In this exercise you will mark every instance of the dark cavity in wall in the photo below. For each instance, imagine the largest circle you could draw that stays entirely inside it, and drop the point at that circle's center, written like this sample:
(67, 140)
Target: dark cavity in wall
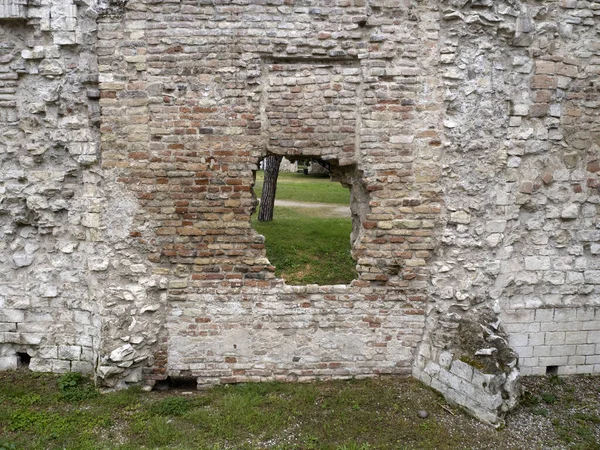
(23, 359)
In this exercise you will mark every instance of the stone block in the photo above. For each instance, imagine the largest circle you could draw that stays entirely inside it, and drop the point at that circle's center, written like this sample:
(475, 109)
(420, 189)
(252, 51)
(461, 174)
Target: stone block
(7, 327)
(590, 325)
(69, 352)
(431, 369)
(585, 349)
(537, 263)
(592, 276)
(544, 67)
(567, 370)
(561, 326)
(495, 226)
(585, 369)
(544, 315)
(84, 367)
(528, 362)
(518, 339)
(445, 359)
(11, 315)
(565, 314)
(541, 350)
(522, 316)
(36, 52)
(40, 365)
(592, 359)
(593, 337)
(47, 352)
(461, 217)
(30, 338)
(576, 337)
(462, 369)
(526, 371)
(13, 9)
(536, 339)
(523, 352)
(562, 350)
(555, 338)
(552, 361)
(488, 401)
(439, 385)
(61, 366)
(576, 360)
(8, 362)
(450, 380)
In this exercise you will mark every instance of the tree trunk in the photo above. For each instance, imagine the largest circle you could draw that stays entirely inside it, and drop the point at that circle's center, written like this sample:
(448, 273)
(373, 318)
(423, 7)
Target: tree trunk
(267, 198)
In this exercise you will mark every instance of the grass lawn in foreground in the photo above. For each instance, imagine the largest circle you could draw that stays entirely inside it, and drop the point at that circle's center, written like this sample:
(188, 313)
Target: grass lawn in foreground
(306, 188)
(42, 411)
(307, 248)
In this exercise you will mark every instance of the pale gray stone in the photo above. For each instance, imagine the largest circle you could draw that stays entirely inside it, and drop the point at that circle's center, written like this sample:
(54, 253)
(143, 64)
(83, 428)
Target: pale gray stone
(124, 352)
(23, 259)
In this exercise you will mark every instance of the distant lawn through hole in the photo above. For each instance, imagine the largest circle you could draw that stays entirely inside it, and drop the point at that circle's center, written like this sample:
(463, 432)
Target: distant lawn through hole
(306, 245)
(306, 188)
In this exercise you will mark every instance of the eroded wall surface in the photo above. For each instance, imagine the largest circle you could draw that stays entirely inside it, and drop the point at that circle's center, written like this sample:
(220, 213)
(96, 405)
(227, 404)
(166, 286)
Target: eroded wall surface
(517, 249)
(50, 241)
(64, 230)
(468, 132)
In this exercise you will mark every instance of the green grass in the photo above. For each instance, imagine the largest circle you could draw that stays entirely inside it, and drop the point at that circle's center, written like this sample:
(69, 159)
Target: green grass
(306, 188)
(341, 415)
(304, 244)
(306, 248)
(574, 415)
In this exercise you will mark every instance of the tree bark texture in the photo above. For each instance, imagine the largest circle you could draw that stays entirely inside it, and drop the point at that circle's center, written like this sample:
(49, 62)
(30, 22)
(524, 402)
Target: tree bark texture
(267, 198)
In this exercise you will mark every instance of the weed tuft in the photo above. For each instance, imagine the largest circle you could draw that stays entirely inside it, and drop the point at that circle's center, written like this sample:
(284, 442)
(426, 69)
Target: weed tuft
(5, 445)
(74, 387)
(540, 412)
(529, 399)
(161, 431)
(548, 398)
(28, 399)
(354, 446)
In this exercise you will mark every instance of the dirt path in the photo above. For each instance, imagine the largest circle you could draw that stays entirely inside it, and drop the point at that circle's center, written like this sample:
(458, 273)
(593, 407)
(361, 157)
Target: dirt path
(324, 209)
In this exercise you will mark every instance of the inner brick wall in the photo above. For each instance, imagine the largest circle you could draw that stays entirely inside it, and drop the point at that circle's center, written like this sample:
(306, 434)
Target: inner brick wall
(312, 109)
(193, 96)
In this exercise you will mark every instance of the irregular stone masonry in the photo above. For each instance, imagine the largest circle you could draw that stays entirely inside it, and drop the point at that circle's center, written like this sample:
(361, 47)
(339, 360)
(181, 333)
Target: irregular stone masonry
(468, 133)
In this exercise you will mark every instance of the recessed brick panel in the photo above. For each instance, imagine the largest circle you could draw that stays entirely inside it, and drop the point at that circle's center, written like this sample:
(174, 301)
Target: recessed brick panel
(311, 108)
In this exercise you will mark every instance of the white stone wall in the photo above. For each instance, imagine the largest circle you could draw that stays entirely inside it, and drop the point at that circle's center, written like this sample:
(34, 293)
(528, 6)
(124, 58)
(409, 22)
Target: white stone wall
(482, 394)
(49, 198)
(567, 337)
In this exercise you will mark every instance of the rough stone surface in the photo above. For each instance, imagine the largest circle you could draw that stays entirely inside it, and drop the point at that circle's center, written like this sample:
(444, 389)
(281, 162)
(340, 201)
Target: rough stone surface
(467, 132)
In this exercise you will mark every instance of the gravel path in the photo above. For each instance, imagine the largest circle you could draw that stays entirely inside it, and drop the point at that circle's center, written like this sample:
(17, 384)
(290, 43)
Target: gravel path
(325, 209)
